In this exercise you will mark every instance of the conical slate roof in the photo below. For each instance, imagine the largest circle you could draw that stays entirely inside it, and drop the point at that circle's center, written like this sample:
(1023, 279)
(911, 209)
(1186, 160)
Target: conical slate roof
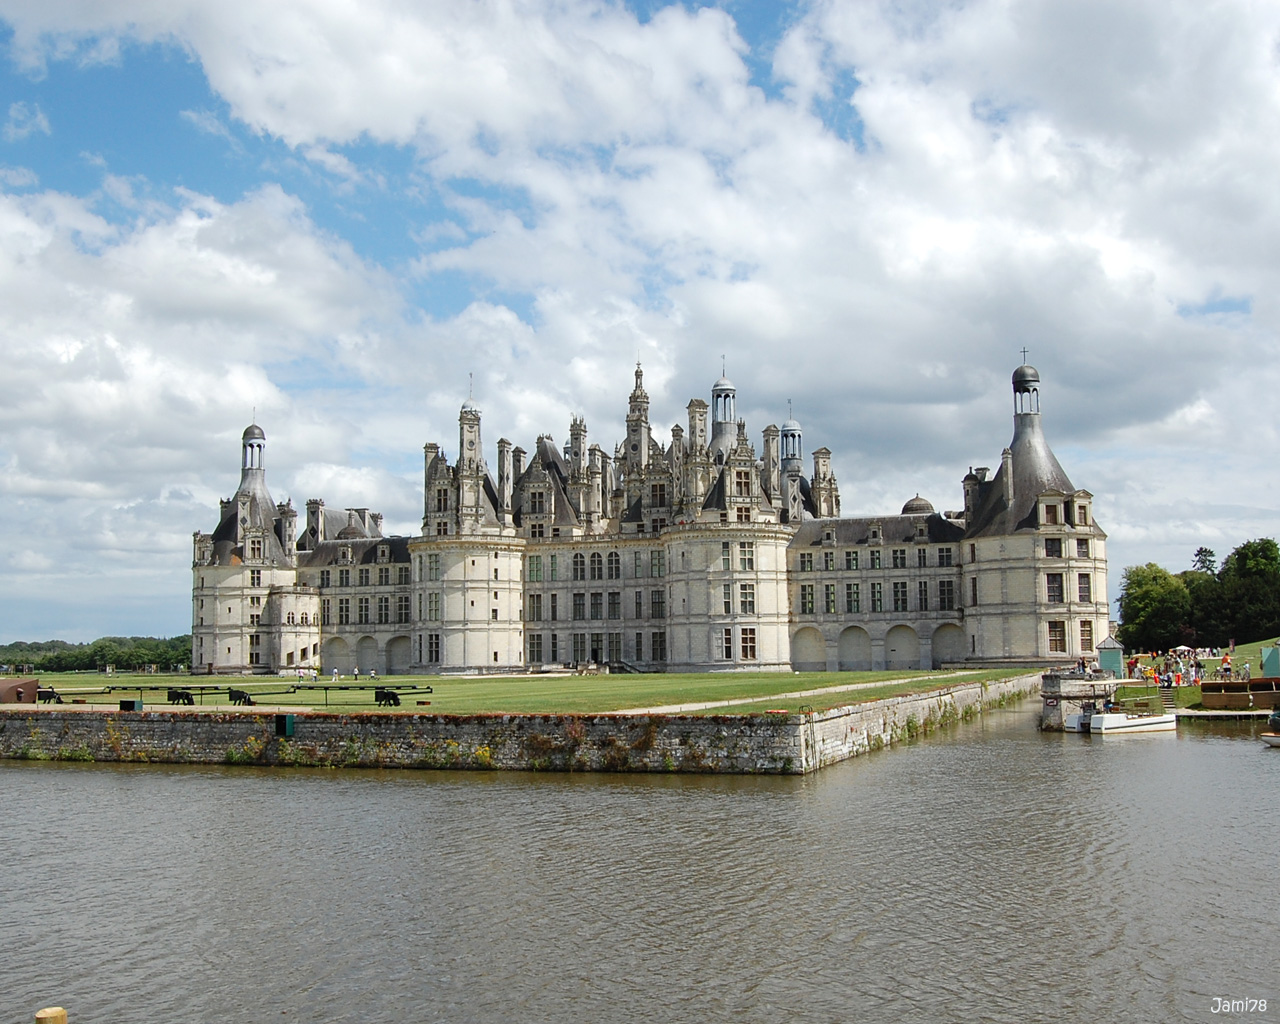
(1035, 470)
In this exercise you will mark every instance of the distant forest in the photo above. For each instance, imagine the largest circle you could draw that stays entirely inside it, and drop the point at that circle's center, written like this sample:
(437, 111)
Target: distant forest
(124, 652)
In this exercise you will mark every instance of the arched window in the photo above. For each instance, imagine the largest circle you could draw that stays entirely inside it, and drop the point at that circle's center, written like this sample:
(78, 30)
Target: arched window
(615, 566)
(597, 566)
(579, 566)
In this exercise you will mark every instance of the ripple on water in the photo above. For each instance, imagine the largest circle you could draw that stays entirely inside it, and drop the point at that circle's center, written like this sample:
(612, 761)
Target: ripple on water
(990, 872)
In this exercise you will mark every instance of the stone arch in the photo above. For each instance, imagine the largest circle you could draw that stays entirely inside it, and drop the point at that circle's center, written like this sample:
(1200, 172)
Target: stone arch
(337, 655)
(855, 650)
(808, 651)
(901, 648)
(399, 656)
(367, 654)
(948, 644)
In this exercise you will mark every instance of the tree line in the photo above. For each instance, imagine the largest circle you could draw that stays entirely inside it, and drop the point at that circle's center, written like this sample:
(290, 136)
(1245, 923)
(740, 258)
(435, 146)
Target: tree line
(124, 652)
(1207, 605)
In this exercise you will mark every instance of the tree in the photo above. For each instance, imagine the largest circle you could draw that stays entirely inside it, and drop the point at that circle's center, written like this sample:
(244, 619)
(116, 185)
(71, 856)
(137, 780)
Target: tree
(1204, 560)
(1154, 608)
(1250, 578)
(1209, 621)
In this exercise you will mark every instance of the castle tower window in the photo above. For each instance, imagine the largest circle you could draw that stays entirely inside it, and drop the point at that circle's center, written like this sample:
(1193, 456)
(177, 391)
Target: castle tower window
(255, 577)
(597, 566)
(726, 643)
(947, 595)
(1053, 547)
(725, 562)
(742, 483)
(1086, 636)
(255, 548)
(1051, 515)
(658, 495)
(614, 566)
(537, 503)
(746, 555)
(1053, 587)
(579, 566)
(1057, 638)
(747, 598)
(537, 531)
(1085, 585)
(748, 644)
(1082, 519)
(534, 570)
(442, 499)
(1082, 548)
(728, 598)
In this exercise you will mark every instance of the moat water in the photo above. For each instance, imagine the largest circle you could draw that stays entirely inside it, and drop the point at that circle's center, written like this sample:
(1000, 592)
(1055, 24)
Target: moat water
(987, 873)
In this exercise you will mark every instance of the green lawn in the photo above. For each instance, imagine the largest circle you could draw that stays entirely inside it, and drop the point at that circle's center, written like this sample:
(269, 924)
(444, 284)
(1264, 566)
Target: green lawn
(540, 694)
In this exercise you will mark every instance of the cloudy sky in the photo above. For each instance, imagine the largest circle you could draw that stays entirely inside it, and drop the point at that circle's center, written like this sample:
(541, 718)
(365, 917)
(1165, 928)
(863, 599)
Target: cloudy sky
(334, 211)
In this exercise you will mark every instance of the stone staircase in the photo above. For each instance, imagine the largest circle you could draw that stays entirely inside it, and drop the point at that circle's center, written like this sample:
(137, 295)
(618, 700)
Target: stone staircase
(1166, 698)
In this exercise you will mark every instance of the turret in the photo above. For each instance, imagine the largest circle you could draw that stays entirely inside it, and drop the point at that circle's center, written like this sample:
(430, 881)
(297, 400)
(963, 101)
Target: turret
(724, 431)
(637, 443)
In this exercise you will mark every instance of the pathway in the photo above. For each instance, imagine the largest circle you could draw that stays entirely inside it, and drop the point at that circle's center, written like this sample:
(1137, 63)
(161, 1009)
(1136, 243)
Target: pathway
(676, 709)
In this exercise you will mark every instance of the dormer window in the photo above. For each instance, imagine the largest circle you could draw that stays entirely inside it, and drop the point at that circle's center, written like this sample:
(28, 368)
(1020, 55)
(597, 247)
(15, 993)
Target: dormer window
(537, 503)
(1082, 515)
(384, 553)
(1051, 515)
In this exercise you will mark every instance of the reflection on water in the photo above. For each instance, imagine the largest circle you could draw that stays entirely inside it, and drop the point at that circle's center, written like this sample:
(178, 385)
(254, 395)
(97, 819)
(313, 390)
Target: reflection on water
(990, 873)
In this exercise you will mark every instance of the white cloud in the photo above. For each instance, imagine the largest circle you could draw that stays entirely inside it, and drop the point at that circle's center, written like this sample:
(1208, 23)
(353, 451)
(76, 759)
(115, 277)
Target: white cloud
(25, 119)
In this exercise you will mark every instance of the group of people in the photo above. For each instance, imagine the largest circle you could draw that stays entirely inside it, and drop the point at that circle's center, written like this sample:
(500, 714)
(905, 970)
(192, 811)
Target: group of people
(1184, 667)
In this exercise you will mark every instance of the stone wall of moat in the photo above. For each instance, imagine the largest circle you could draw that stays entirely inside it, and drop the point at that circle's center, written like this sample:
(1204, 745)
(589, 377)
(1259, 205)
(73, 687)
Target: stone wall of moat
(733, 744)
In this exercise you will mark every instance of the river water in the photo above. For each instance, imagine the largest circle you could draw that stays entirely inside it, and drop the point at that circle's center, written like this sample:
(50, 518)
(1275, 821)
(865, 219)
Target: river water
(989, 873)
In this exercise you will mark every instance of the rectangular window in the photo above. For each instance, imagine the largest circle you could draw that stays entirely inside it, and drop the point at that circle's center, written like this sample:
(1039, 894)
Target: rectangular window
(747, 598)
(615, 607)
(639, 647)
(639, 560)
(597, 647)
(748, 644)
(742, 483)
(1057, 638)
(806, 561)
(615, 565)
(326, 614)
(1051, 515)
(922, 557)
(658, 495)
(639, 604)
(657, 564)
(922, 595)
(537, 503)
(724, 555)
(255, 656)
(363, 578)
(384, 576)
(1082, 548)
(537, 531)
(579, 606)
(533, 569)
(324, 578)
(728, 598)
(597, 606)
(900, 596)
(402, 575)
(1085, 583)
(944, 557)
(433, 567)
(442, 528)
(1053, 587)
(947, 595)
(555, 647)
(255, 548)
(384, 610)
(615, 646)
(535, 648)
(1086, 636)
(851, 559)
(534, 603)
(744, 513)
(852, 598)
(554, 610)
(579, 646)
(806, 599)
(552, 568)
(877, 597)
(255, 577)
(973, 552)
(875, 558)
(726, 644)
(899, 558)
(828, 560)
(433, 648)
(362, 611)
(658, 604)
(433, 607)
(255, 620)
(658, 646)
(973, 591)
(829, 598)
(344, 611)
(402, 608)
(1082, 519)
(1053, 547)
(746, 554)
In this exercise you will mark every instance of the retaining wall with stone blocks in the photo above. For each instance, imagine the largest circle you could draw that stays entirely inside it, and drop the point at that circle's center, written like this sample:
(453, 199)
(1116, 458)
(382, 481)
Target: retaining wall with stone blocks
(731, 744)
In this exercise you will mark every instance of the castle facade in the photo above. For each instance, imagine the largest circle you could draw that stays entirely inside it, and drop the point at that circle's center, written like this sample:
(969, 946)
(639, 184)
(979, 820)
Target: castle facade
(702, 555)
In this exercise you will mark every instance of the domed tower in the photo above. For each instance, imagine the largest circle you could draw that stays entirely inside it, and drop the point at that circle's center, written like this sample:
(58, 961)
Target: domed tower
(792, 439)
(724, 425)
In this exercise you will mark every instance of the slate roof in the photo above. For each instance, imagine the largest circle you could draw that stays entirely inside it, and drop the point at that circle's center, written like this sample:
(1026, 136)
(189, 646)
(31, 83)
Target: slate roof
(1035, 470)
(893, 530)
(363, 551)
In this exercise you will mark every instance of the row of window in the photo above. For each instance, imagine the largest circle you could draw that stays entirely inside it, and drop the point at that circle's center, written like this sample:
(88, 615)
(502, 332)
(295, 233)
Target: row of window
(598, 647)
(851, 596)
(853, 560)
(364, 577)
(1055, 587)
(1058, 637)
(1053, 547)
(365, 609)
(598, 605)
(647, 564)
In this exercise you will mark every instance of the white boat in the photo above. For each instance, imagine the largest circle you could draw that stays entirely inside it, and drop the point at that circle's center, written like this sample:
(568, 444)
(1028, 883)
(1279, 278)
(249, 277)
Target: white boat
(1114, 722)
(1271, 739)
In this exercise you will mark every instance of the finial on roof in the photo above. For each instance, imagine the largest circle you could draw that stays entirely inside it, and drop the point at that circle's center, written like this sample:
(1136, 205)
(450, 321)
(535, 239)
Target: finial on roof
(1024, 353)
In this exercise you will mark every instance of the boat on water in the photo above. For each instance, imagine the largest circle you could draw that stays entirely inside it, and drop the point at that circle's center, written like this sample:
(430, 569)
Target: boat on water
(1113, 720)
(1272, 736)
